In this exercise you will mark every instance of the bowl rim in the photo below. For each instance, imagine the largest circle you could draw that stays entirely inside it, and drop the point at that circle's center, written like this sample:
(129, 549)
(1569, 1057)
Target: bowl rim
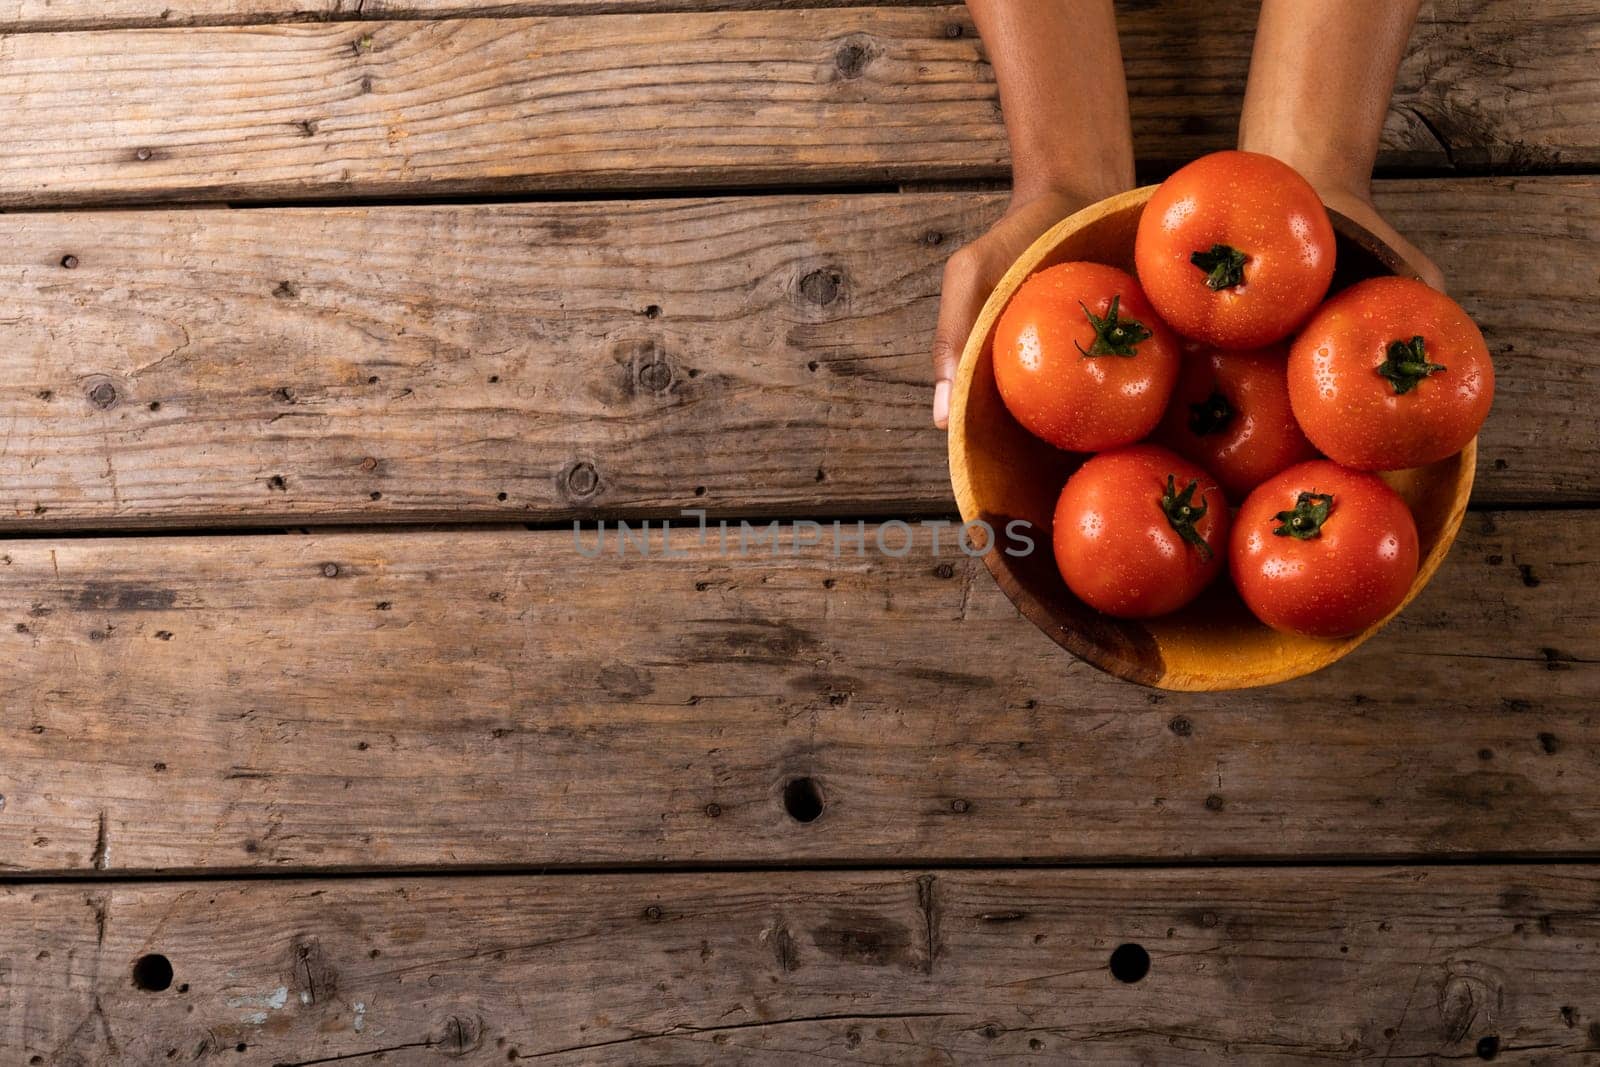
(1099, 656)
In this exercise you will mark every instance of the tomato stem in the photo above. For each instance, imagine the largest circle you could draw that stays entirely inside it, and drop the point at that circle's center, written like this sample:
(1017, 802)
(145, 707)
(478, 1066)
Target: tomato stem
(1305, 520)
(1182, 514)
(1223, 264)
(1211, 415)
(1406, 365)
(1113, 336)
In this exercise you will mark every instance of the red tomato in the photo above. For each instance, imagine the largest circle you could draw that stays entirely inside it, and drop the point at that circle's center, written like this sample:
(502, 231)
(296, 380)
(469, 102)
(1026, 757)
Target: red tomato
(1140, 532)
(1324, 551)
(1235, 250)
(1230, 414)
(1390, 374)
(1081, 359)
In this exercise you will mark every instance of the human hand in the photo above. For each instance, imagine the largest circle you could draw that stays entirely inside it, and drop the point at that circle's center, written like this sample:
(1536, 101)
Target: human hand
(1067, 124)
(1358, 208)
(1320, 80)
(972, 273)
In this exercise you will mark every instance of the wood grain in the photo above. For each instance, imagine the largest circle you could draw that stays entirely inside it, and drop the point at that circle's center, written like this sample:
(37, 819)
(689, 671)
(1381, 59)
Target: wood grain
(34, 16)
(1277, 966)
(364, 701)
(750, 355)
(756, 355)
(686, 99)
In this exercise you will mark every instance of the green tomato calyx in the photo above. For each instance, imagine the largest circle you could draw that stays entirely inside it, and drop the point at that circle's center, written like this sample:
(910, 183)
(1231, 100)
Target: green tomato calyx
(1182, 513)
(1211, 415)
(1304, 521)
(1407, 364)
(1113, 335)
(1223, 264)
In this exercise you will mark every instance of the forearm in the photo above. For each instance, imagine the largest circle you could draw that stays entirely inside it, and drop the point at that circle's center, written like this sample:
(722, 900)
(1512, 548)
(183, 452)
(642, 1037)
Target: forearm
(1320, 80)
(1059, 69)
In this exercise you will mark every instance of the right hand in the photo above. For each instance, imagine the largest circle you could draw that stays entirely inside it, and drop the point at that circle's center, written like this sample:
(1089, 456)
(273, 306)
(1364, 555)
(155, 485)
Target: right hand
(973, 272)
(1358, 207)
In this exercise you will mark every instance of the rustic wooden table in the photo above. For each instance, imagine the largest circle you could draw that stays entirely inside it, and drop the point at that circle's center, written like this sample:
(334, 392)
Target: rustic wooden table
(295, 772)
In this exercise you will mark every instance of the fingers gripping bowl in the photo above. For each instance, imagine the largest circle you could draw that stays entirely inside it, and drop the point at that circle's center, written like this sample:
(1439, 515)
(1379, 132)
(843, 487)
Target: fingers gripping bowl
(1002, 473)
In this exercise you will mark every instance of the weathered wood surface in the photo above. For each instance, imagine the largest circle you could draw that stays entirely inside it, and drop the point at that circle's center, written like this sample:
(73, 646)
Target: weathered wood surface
(693, 99)
(415, 699)
(1277, 966)
(748, 355)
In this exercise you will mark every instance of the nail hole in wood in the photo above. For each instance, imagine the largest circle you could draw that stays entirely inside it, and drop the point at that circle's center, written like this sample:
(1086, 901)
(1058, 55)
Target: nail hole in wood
(1488, 1047)
(152, 973)
(69, 261)
(802, 799)
(1129, 963)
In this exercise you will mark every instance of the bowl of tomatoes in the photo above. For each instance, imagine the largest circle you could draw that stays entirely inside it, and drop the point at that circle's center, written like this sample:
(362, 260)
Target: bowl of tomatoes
(1219, 435)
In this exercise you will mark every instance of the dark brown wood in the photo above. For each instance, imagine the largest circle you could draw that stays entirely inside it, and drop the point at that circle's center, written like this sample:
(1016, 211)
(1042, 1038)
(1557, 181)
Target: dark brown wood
(1275, 966)
(363, 701)
(749, 355)
(778, 97)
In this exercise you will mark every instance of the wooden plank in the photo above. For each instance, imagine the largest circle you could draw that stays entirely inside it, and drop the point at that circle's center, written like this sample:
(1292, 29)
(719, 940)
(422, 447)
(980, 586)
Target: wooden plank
(1274, 966)
(749, 355)
(282, 703)
(36, 16)
(693, 99)
(522, 361)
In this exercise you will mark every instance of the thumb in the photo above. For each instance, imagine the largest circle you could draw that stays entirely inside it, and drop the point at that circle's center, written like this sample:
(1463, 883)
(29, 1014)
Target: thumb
(960, 300)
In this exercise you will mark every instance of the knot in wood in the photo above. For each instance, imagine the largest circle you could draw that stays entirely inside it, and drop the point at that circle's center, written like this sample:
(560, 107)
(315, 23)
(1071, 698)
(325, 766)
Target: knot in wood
(852, 58)
(460, 1035)
(821, 287)
(655, 374)
(103, 395)
(581, 481)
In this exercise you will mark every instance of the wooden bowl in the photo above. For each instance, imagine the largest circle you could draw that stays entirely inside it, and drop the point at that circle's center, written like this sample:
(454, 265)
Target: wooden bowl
(1001, 473)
